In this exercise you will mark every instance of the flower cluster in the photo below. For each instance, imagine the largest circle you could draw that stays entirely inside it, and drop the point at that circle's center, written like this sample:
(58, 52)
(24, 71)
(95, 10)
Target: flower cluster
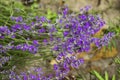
(103, 41)
(27, 33)
(78, 35)
(78, 31)
(34, 74)
(26, 47)
(4, 31)
(63, 68)
(69, 35)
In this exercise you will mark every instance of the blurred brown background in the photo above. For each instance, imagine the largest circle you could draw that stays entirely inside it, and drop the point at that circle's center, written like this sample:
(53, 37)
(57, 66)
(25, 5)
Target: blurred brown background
(109, 9)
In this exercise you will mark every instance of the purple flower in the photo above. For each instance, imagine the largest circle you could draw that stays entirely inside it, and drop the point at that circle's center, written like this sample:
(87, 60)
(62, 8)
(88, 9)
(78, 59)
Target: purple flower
(42, 30)
(83, 17)
(32, 49)
(35, 42)
(17, 19)
(65, 33)
(65, 11)
(26, 27)
(61, 70)
(56, 67)
(13, 36)
(51, 39)
(43, 19)
(53, 29)
(26, 47)
(45, 41)
(4, 31)
(56, 48)
(16, 27)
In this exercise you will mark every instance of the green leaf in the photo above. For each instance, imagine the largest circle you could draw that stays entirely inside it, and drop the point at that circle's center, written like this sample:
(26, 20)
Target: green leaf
(113, 78)
(114, 44)
(98, 75)
(18, 5)
(117, 60)
(35, 5)
(110, 46)
(106, 75)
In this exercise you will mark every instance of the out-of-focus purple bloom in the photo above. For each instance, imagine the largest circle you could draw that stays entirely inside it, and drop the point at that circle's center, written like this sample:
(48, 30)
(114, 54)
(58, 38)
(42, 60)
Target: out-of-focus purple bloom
(45, 41)
(25, 77)
(56, 48)
(35, 42)
(17, 19)
(83, 17)
(53, 29)
(26, 27)
(4, 31)
(32, 49)
(56, 67)
(43, 19)
(51, 39)
(12, 36)
(65, 11)
(42, 30)
(65, 33)
(16, 27)
(26, 47)
(87, 8)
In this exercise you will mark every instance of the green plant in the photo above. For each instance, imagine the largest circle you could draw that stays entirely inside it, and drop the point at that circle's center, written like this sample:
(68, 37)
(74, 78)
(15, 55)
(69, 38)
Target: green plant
(114, 27)
(117, 60)
(100, 77)
(13, 8)
(9, 8)
(51, 15)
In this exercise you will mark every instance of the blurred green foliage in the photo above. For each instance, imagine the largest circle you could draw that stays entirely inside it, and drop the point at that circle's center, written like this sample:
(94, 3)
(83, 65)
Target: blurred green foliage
(114, 27)
(100, 77)
(9, 8)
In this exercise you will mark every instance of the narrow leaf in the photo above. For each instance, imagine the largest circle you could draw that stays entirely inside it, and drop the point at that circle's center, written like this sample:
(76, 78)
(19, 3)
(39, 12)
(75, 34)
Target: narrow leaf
(114, 44)
(113, 78)
(106, 75)
(98, 75)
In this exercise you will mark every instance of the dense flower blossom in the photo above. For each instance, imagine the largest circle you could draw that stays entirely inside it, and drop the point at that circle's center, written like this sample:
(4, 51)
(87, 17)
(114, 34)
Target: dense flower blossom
(26, 47)
(62, 69)
(78, 35)
(4, 30)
